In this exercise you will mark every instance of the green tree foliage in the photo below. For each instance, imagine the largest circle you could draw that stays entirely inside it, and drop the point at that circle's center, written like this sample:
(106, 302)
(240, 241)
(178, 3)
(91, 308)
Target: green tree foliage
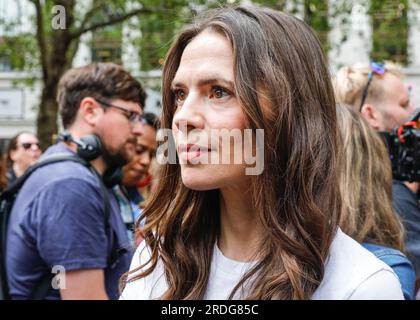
(25, 44)
(314, 12)
(390, 30)
(56, 47)
(159, 28)
(316, 15)
(276, 4)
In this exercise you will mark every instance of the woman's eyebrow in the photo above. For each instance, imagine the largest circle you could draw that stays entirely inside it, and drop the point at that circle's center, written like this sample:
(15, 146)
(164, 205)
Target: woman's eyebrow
(176, 84)
(205, 81)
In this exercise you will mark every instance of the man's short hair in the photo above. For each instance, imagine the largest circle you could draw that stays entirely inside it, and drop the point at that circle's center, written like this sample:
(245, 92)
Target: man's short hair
(350, 82)
(103, 81)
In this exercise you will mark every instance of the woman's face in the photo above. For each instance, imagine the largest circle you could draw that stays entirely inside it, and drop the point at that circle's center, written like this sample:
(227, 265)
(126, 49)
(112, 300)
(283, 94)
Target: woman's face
(27, 150)
(145, 149)
(208, 121)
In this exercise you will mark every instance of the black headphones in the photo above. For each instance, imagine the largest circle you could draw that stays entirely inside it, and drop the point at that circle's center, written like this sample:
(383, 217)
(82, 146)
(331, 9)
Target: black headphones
(89, 148)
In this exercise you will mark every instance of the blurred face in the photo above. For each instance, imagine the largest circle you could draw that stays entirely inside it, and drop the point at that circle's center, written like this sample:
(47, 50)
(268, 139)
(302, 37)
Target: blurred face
(118, 133)
(27, 151)
(145, 150)
(206, 105)
(395, 106)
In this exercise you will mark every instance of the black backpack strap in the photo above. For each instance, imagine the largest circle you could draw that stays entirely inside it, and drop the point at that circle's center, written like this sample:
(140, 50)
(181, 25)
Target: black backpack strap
(115, 252)
(41, 290)
(58, 157)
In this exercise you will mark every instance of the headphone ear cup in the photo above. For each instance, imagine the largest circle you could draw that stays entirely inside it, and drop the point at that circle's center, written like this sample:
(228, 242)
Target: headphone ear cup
(91, 147)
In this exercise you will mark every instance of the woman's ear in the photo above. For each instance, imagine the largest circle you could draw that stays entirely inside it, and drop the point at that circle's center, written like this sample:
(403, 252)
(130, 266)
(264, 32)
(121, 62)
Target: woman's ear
(13, 154)
(90, 110)
(372, 115)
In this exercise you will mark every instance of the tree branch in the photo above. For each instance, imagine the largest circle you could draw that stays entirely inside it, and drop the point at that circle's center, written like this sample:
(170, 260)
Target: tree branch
(109, 22)
(90, 14)
(40, 36)
(74, 46)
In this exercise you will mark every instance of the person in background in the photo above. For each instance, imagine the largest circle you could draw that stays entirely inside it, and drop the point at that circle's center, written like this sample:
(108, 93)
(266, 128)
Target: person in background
(377, 91)
(366, 189)
(3, 179)
(149, 185)
(63, 215)
(262, 228)
(136, 174)
(23, 150)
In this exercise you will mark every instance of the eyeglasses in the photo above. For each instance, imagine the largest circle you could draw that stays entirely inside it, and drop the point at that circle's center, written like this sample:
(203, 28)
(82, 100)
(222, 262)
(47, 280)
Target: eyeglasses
(28, 145)
(132, 116)
(375, 68)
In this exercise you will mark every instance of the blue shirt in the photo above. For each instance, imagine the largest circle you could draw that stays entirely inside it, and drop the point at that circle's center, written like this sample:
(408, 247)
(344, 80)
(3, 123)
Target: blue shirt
(399, 263)
(406, 203)
(58, 220)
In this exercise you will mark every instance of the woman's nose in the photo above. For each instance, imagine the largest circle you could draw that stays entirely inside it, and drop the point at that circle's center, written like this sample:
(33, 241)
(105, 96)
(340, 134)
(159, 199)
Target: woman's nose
(190, 114)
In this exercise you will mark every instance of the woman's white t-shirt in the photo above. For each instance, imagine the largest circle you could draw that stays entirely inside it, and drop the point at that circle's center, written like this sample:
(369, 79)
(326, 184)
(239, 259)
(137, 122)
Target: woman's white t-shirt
(351, 272)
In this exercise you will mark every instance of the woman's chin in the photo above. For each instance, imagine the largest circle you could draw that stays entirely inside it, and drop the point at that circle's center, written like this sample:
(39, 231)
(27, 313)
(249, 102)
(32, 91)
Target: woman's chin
(197, 182)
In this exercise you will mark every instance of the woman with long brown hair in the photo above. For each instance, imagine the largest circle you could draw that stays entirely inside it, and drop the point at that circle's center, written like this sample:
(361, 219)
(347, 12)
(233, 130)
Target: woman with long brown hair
(217, 230)
(367, 214)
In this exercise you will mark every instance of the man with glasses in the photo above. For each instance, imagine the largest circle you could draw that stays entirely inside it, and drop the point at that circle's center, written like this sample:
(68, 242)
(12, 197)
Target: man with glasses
(378, 92)
(58, 217)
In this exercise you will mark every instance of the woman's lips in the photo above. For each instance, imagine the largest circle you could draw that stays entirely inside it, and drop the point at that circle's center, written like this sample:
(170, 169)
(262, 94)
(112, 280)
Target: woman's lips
(188, 152)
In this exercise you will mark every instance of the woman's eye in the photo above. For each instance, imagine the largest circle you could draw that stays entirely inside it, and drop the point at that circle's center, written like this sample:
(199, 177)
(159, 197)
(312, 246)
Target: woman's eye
(179, 95)
(140, 150)
(219, 92)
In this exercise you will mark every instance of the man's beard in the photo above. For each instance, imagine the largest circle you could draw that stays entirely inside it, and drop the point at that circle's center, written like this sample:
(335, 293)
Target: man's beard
(119, 158)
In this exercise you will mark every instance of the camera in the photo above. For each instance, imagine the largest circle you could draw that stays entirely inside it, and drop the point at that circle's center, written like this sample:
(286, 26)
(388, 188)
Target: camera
(404, 149)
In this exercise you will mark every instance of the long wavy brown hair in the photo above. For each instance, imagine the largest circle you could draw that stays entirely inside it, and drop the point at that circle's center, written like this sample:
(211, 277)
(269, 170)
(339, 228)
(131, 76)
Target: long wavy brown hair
(366, 184)
(277, 59)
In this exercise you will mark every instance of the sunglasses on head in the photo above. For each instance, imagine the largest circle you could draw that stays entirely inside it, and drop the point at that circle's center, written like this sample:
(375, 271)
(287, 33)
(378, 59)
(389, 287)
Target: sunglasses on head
(28, 145)
(375, 68)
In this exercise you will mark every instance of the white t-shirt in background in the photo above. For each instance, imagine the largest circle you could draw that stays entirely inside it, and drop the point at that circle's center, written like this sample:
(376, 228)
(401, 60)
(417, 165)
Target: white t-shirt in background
(351, 272)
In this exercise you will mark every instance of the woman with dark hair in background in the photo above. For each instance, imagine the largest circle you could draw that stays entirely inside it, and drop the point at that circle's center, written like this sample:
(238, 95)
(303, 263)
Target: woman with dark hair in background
(136, 172)
(366, 188)
(222, 231)
(22, 151)
(136, 175)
